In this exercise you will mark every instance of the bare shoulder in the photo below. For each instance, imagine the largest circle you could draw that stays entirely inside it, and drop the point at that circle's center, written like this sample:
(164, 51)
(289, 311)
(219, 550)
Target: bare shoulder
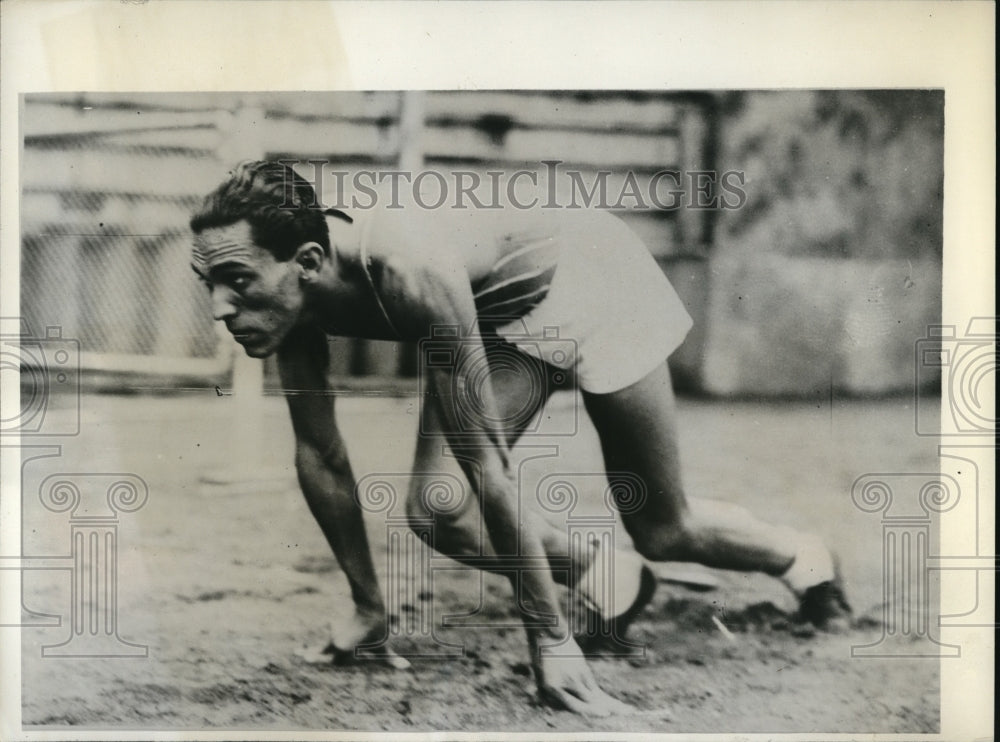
(472, 239)
(427, 234)
(422, 263)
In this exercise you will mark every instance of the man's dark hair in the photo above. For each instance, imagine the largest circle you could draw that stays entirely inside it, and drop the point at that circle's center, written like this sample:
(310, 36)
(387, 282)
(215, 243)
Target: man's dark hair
(278, 203)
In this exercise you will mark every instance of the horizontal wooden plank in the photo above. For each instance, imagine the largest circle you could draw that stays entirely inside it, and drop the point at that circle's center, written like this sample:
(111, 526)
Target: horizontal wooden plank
(37, 208)
(203, 101)
(373, 105)
(193, 142)
(330, 138)
(48, 213)
(163, 143)
(207, 140)
(111, 172)
(88, 202)
(538, 109)
(157, 364)
(373, 386)
(329, 104)
(48, 119)
(520, 145)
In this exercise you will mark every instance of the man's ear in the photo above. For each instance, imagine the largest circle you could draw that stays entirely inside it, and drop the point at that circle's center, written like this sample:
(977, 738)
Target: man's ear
(309, 257)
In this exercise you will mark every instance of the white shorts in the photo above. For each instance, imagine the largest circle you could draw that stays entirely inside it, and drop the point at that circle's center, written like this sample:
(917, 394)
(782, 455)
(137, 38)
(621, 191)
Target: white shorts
(610, 299)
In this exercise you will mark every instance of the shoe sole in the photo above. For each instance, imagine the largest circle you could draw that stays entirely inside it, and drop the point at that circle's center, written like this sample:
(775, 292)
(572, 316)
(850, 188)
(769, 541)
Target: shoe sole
(616, 643)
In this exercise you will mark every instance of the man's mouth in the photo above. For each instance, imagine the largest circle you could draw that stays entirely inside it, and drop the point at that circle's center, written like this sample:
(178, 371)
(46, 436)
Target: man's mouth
(244, 336)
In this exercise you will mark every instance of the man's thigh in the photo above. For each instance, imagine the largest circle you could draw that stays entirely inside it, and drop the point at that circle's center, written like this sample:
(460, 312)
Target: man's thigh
(636, 426)
(520, 386)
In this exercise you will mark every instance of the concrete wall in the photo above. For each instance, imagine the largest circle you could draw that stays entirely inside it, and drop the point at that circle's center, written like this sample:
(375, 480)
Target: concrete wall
(831, 272)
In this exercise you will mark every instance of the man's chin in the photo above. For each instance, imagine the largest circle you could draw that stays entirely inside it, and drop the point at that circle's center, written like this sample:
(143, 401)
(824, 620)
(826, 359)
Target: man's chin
(257, 349)
(257, 352)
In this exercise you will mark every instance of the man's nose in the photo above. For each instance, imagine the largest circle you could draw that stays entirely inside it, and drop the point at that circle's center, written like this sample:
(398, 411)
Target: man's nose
(222, 303)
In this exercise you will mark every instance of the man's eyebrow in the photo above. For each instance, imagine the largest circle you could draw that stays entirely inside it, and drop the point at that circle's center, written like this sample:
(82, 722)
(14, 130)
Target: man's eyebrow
(228, 266)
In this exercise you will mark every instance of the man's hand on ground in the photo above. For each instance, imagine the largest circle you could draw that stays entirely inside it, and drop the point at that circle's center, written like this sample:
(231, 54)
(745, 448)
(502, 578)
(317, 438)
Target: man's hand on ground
(565, 682)
(348, 639)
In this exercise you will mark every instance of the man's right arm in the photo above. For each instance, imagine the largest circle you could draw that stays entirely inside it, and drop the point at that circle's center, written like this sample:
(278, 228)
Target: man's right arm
(327, 480)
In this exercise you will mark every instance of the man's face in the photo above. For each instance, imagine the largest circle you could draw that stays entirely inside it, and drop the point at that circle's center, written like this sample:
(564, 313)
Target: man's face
(259, 298)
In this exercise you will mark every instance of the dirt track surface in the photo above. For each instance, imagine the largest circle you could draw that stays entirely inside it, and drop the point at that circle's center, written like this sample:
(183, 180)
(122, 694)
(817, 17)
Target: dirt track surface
(225, 585)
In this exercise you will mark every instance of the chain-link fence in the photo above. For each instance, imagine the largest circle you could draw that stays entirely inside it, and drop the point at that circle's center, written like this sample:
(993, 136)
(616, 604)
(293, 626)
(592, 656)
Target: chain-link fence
(108, 185)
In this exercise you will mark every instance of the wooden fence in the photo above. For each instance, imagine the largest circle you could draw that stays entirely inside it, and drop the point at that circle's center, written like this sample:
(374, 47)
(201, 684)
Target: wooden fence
(109, 181)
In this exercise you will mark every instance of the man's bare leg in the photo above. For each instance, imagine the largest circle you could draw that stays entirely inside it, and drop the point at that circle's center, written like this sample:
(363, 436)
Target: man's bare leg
(460, 533)
(636, 428)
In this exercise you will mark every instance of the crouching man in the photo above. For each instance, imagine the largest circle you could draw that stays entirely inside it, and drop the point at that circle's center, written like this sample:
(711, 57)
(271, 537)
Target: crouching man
(283, 275)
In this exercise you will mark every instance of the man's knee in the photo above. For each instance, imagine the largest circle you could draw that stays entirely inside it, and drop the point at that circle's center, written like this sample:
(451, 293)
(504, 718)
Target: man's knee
(429, 502)
(418, 517)
(664, 542)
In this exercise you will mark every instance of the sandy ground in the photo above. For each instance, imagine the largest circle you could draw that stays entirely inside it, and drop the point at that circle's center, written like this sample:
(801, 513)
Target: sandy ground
(226, 584)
